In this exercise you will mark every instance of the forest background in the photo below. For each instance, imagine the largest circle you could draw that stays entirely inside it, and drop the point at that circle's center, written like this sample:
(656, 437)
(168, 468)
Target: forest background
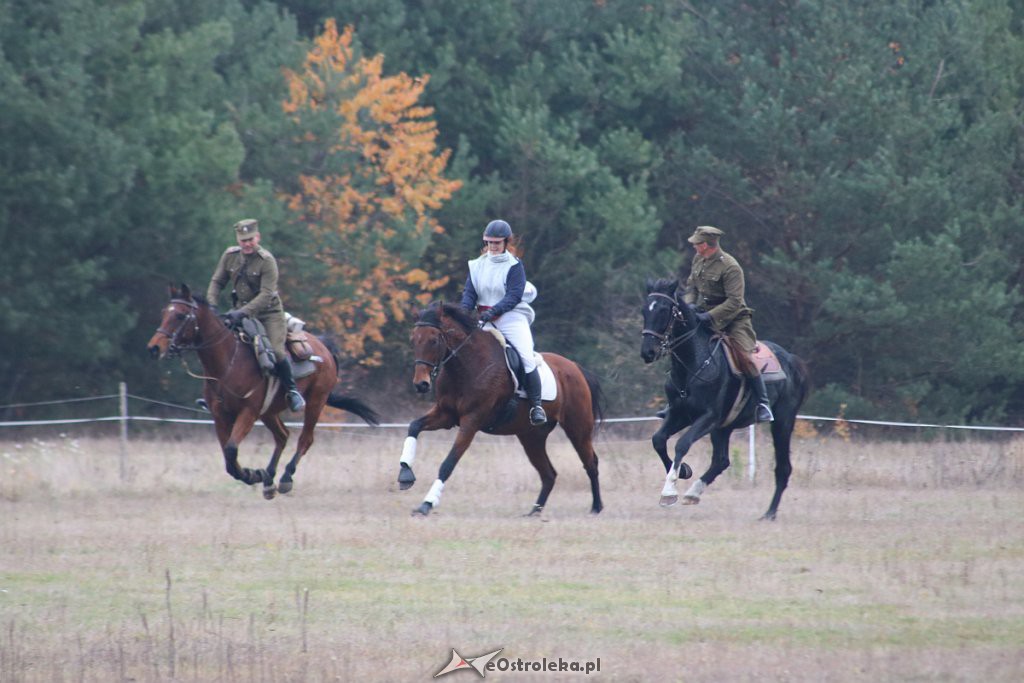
(864, 159)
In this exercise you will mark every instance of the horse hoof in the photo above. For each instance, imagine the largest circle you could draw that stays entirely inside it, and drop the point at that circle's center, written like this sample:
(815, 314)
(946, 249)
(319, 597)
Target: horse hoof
(535, 512)
(668, 501)
(269, 492)
(691, 500)
(284, 487)
(684, 471)
(423, 510)
(767, 517)
(406, 478)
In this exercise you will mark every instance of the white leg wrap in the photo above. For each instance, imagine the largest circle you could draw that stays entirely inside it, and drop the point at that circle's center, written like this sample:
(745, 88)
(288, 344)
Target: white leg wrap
(434, 496)
(409, 450)
(670, 484)
(696, 488)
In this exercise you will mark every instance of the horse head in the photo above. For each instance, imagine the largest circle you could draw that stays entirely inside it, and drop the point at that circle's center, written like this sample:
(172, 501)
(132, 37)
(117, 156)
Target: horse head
(661, 310)
(438, 334)
(179, 326)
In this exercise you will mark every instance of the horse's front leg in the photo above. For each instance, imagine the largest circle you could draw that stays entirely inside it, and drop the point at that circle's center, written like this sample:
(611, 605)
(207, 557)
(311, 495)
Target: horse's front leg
(700, 427)
(239, 430)
(434, 419)
(280, 433)
(462, 441)
(719, 463)
(673, 422)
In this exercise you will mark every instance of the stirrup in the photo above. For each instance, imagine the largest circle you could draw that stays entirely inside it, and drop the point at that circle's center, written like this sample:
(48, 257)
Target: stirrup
(537, 416)
(763, 413)
(295, 400)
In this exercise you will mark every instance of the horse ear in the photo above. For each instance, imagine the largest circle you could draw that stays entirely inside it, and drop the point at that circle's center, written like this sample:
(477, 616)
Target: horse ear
(186, 293)
(649, 284)
(172, 290)
(675, 286)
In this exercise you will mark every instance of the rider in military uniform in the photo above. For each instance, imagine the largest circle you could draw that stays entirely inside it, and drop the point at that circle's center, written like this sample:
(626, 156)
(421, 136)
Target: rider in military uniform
(252, 272)
(716, 286)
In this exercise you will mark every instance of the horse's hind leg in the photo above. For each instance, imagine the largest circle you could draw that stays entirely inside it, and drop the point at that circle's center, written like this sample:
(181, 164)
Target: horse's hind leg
(534, 442)
(280, 432)
(782, 433)
(305, 441)
(581, 436)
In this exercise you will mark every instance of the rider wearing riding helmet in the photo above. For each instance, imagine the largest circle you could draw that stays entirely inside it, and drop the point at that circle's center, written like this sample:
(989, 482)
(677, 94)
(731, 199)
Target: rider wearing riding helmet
(498, 289)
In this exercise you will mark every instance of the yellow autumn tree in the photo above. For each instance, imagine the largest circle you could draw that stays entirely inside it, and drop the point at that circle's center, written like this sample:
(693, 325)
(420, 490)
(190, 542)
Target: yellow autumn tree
(372, 178)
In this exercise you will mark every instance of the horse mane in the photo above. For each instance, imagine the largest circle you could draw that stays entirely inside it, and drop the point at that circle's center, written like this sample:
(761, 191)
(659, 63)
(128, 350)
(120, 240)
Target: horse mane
(663, 285)
(432, 315)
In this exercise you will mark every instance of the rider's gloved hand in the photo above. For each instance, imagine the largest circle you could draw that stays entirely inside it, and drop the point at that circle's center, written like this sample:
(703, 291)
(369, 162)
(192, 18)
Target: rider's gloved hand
(487, 316)
(234, 316)
(705, 318)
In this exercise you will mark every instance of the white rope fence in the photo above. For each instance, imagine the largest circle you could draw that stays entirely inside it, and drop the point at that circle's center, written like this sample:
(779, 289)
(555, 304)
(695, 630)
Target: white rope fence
(123, 418)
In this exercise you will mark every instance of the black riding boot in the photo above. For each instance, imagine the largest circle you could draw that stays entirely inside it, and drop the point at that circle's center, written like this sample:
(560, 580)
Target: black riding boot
(763, 413)
(537, 415)
(284, 372)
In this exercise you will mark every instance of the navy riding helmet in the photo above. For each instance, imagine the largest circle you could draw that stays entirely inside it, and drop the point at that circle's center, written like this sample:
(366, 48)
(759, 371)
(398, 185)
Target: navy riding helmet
(498, 229)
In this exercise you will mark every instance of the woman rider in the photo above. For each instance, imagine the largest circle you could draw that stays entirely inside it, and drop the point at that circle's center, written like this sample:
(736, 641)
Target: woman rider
(496, 287)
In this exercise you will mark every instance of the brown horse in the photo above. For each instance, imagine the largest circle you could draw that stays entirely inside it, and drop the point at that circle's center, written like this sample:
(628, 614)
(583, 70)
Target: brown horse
(472, 384)
(236, 391)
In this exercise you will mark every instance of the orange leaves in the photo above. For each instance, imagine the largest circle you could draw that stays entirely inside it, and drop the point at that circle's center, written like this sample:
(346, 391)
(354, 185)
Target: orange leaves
(367, 208)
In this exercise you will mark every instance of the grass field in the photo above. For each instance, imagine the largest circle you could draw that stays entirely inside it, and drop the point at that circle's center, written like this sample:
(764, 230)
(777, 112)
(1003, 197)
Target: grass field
(889, 562)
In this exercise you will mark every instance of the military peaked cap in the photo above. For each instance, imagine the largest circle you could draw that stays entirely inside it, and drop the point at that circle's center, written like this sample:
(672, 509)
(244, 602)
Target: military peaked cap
(247, 228)
(702, 233)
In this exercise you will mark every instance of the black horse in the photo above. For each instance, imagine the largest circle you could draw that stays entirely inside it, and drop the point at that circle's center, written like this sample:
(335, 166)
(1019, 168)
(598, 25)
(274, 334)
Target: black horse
(704, 393)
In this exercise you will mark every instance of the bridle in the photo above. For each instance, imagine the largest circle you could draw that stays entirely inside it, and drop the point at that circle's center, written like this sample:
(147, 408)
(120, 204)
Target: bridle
(435, 368)
(174, 345)
(668, 343)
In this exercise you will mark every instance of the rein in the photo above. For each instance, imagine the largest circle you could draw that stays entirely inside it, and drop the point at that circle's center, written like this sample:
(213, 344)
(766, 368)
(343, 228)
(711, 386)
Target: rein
(175, 347)
(669, 343)
(435, 368)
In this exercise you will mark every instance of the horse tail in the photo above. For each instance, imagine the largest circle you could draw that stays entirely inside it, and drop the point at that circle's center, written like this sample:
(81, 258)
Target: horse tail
(355, 406)
(596, 396)
(801, 378)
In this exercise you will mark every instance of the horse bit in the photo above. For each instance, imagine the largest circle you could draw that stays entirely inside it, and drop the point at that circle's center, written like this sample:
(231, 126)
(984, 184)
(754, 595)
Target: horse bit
(173, 347)
(435, 368)
(668, 343)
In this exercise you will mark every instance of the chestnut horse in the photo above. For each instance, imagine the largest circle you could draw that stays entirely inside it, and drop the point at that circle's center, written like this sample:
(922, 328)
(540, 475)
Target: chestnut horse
(236, 391)
(466, 366)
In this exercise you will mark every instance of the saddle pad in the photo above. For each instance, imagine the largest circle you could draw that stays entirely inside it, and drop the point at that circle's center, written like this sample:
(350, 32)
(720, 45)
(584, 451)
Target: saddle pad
(305, 368)
(764, 358)
(548, 386)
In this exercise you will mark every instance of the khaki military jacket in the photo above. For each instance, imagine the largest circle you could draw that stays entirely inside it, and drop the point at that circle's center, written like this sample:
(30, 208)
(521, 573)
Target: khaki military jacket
(252, 280)
(716, 285)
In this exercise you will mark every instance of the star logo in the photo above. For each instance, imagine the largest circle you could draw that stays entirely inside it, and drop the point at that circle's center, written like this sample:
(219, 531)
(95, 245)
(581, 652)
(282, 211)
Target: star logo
(479, 663)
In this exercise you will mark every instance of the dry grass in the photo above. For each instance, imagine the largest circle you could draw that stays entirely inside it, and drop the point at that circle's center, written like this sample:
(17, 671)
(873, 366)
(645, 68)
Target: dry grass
(888, 562)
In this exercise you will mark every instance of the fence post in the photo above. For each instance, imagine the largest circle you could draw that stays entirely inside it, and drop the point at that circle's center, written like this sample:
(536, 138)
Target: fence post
(122, 390)
(752, 455)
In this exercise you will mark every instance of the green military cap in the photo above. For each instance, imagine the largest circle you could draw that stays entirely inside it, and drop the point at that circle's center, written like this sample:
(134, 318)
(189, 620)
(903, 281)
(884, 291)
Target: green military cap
(701, 234)
(246, 228)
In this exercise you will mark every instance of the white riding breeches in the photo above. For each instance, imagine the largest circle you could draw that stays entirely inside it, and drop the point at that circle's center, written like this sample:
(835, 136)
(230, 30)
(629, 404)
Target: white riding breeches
(516, 328)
